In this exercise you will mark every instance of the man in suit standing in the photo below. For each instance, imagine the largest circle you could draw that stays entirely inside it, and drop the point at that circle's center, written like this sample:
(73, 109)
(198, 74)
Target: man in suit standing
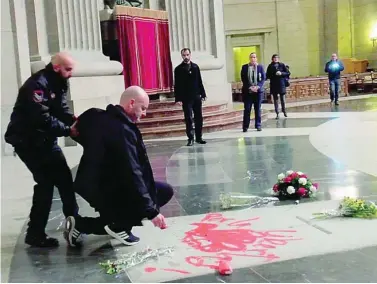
(253, 78)
(333, 68)
(189, 93)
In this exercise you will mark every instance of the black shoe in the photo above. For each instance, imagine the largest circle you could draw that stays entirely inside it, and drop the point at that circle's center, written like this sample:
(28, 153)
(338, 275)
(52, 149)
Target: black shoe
(259, 129)
(336, 103)
(277, 116)
(126, 238)
(41, 241)
(71, 234)
(190, 142)
(200, 141)
(244, 130)
(285, 114)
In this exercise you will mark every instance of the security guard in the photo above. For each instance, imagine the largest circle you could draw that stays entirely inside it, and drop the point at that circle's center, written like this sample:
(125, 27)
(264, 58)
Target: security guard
(40, 115)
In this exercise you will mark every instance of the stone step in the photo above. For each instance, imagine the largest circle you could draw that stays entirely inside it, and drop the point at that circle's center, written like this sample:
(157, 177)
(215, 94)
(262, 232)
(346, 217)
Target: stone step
(162, 104)
(177, 110)
(180, 130)
(179, 119)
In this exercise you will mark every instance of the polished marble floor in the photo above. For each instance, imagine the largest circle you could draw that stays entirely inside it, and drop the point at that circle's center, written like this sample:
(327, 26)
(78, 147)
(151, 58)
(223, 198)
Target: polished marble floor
(366, 104)
(199, 175)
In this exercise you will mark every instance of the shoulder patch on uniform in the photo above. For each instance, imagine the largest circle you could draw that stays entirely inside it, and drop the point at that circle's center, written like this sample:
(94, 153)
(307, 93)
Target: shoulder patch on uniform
(38, 96)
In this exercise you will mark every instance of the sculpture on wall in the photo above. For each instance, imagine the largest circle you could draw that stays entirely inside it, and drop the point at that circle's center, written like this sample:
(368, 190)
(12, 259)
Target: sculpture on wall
(132, 3)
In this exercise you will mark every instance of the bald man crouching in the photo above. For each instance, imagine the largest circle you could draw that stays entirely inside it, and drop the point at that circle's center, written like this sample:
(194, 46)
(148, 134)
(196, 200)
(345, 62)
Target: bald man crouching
(114, 175)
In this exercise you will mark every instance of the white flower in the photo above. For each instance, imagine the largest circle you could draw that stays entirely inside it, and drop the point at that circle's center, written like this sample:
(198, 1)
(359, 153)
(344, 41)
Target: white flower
(289, 172)
(281, 176)
(300, 173)
(302, 181)
(313, 188)
(291, 190)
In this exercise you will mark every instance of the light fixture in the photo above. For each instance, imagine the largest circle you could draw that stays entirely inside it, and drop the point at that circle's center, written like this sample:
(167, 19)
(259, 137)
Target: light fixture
(373, 34)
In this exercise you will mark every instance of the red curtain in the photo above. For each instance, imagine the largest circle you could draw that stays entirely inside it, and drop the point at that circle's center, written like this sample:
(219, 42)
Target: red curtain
(145, 50)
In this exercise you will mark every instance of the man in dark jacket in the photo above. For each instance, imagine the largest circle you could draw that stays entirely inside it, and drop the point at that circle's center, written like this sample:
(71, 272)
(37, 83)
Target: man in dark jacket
(40, 115)
(278, 74)
(333, 68)
(253, 78)
(114, 174)
(189, 93)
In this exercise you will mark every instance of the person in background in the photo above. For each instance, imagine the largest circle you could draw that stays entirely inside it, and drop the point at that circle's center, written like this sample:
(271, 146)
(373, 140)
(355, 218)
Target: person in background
(253, 78)
(333, 68)
(114, 175)
(278, 74)
(40, 115)
(189, 93)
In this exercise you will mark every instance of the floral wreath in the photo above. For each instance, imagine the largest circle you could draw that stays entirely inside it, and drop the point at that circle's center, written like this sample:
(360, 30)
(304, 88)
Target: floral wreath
(294, 185)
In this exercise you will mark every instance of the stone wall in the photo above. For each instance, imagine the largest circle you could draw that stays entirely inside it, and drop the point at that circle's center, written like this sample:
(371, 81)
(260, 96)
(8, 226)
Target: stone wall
(304, 32)
(364, 19)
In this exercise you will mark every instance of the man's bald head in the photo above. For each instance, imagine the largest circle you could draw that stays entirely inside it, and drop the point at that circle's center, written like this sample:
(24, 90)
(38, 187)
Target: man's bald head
(135, 102)
(63, 64)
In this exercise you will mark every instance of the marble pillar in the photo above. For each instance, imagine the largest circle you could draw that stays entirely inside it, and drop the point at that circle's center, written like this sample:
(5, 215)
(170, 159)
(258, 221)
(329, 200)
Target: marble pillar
(74, 27)
(15, 64)
(198, 25)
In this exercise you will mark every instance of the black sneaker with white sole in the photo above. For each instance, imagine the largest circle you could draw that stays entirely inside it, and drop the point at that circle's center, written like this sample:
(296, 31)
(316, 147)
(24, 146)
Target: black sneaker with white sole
(71, 234)
(126, 238)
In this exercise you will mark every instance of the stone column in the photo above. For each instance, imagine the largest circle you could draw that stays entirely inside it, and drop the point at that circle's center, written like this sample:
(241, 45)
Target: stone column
(15, 64)
(74, 26)
(198, 25)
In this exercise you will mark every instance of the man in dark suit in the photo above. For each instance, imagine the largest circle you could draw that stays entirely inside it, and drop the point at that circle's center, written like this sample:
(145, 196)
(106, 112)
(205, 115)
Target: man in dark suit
(114, 175)
(253, 78)
(189, 93)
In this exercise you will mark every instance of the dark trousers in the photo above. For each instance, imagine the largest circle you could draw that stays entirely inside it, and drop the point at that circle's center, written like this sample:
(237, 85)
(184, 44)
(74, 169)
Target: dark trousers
(334, 89)
(250, 100)
(190, 108)
(276, 102)
(95, 225)
(49, 168)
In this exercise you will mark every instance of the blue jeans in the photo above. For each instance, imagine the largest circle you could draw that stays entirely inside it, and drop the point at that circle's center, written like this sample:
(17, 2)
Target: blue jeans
(334, 89)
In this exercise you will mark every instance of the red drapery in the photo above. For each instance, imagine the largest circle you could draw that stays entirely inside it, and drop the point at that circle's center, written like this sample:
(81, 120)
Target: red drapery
(144, 49)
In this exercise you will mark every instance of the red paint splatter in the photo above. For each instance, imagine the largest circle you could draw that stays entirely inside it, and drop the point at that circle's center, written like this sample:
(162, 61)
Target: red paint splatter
(237, 239)
(150, 269)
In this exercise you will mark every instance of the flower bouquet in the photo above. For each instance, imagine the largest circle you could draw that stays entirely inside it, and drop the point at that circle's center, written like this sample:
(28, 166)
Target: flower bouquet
(237, 199)
(351, 207)
(294, 185)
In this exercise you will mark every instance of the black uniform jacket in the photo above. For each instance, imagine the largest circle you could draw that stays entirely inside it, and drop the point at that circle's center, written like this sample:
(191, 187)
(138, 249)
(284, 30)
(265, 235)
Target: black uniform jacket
(41, 113)
(114, 171)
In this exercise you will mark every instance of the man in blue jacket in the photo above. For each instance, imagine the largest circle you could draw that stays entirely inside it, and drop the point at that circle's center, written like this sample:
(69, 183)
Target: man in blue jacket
(253, 78)
(40, 115)
(333, 68)
(114, 175)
